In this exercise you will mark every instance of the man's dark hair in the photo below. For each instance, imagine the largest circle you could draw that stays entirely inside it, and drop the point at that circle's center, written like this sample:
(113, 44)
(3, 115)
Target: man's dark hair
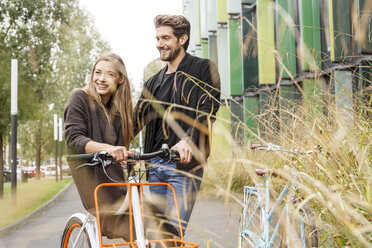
(178, 23)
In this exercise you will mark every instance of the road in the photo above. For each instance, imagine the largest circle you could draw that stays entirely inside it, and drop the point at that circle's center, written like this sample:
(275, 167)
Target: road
(211, 222)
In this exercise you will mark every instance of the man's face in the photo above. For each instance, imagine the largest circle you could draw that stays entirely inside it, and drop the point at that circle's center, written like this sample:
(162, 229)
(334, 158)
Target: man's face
(168, 44)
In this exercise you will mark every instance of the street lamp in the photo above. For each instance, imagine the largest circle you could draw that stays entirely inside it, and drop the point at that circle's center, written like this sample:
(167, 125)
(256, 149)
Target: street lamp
(60, 146)
(13, 112)
(55, 144)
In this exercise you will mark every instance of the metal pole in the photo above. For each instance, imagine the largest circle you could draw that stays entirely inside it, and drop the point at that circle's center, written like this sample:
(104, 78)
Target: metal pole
(140, 141)
(13, 112)
(55, 144)
(60, 148)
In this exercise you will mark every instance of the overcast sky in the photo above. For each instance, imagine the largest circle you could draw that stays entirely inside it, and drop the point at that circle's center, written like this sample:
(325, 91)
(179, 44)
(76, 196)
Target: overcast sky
(128, 27)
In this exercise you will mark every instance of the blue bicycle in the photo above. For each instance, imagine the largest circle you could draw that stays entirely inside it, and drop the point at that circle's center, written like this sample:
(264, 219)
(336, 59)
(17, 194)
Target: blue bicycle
(286, 222)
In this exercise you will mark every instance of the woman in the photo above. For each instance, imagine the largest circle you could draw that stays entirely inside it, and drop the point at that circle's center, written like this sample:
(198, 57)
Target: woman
(99, 118)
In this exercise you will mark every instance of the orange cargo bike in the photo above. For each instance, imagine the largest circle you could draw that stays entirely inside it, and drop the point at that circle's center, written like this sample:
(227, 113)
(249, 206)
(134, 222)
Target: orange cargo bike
(84, 230)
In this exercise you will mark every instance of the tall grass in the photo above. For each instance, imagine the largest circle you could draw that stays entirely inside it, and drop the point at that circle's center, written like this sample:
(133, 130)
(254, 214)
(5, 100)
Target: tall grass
(335, 180)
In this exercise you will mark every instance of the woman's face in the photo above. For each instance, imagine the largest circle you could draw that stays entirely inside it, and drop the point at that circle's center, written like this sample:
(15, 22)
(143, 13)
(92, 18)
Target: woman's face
(106, 79)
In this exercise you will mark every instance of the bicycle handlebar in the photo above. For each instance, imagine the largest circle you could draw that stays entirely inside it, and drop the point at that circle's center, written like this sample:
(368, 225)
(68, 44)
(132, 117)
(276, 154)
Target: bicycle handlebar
(272, 147)
(164, 152)
(75, 157)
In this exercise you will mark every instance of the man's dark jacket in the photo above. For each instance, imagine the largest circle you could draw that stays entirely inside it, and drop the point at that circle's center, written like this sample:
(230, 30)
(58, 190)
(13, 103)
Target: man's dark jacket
(195, 101)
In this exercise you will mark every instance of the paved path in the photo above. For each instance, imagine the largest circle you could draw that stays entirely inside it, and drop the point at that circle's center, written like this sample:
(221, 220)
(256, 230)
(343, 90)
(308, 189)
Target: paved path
(211, 222)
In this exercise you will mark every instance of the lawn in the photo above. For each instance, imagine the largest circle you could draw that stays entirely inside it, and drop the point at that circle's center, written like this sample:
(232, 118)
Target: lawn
(30, 196)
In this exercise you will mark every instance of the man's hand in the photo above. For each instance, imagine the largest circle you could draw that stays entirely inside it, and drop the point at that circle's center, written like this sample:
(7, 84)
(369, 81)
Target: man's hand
(184, 150)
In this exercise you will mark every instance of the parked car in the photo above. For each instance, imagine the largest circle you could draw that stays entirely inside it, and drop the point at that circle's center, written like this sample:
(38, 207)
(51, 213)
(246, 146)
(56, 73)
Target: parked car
(31, 171)
(66, 170)
(7, 175)
(50, 170)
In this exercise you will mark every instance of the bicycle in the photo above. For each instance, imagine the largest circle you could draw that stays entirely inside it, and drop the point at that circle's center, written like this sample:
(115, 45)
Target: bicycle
(84, 230)
(262, 224)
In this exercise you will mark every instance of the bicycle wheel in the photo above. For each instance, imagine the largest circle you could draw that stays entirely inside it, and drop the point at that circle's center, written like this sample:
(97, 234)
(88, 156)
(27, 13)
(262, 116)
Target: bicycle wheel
(303, 230)
(310, 231)
(71, 235)
(251, 224)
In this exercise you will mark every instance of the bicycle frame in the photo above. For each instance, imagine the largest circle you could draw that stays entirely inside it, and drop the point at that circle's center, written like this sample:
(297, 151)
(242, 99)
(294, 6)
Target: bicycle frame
(134, 202)
(136, 208)
(262, 192)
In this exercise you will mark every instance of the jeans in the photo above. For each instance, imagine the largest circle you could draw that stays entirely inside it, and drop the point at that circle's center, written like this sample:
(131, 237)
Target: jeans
(185, 187)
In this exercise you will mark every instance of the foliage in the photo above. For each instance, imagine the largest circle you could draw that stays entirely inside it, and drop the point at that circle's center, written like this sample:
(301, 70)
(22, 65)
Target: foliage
(55, 44)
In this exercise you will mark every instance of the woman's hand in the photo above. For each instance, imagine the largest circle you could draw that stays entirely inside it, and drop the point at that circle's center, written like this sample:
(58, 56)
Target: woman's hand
(119, 153)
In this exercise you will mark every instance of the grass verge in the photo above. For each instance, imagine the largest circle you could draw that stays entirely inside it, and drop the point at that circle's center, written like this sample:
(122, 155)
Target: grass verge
(30, 196)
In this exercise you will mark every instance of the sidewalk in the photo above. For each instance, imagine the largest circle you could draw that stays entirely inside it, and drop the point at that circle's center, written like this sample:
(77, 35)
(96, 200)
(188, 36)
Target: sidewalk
(213, 223)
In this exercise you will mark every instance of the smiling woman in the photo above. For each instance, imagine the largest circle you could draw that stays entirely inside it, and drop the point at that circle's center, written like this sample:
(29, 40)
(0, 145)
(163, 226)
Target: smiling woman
(99, 118)
(106, 79)
(104, 104)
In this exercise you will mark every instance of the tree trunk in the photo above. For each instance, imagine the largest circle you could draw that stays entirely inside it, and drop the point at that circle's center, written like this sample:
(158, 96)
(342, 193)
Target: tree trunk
(9, 151)
(38, 148)
(1, 164)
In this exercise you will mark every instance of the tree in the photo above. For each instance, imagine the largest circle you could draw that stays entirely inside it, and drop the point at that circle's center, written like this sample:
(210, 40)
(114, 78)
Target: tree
(56, 45)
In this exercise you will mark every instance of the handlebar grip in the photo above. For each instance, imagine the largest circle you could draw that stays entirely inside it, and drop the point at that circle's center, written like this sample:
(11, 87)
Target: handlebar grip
(75, 157)
(146, 156)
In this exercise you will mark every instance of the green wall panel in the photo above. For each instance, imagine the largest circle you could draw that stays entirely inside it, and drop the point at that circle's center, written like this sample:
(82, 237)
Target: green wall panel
(233, 6)
(251, 112)
(342, 30)
(221, 134)
(266, 42)
(343, 89)
(268, 122)
(313, 97)
(249, 47)
(223, 63)
(344, 94)
(365, 26)
(310, 46)
(235, 62)
(285, 35)
(204, 47)
(365, 82)
(237, 119)
(222, 15)
(212, 49)
(211, 15)
(204, 19)
(290, 98)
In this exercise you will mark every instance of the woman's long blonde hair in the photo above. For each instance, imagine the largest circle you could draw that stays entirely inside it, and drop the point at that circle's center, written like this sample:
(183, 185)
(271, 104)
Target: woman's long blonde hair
(121, 100)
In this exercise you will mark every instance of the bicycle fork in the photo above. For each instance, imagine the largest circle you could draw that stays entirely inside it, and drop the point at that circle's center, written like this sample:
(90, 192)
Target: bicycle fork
(137, 213)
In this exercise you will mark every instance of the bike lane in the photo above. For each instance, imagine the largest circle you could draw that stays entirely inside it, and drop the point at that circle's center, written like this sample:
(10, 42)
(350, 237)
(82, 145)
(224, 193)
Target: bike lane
(212, 222)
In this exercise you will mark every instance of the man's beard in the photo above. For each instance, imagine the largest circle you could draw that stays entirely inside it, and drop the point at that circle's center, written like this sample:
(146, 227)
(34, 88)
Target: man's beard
(172, 55)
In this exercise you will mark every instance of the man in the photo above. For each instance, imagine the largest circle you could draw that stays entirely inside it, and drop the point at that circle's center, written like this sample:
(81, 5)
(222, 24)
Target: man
(177, 106)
